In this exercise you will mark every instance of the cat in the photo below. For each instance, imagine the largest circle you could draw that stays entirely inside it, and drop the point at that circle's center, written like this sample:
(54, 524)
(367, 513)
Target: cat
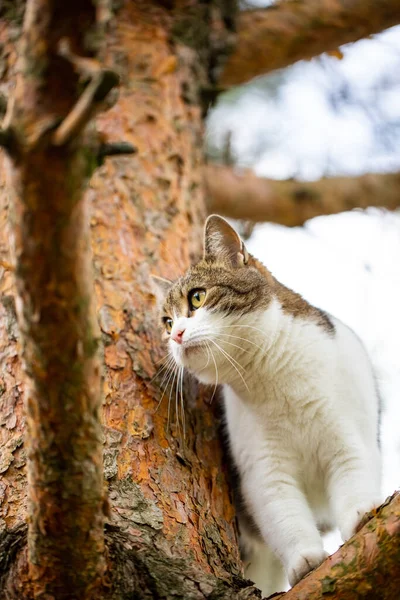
(301, 404)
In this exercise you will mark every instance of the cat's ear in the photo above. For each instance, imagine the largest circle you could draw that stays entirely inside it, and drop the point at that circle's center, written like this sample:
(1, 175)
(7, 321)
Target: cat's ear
(160, 287)
(222, 242)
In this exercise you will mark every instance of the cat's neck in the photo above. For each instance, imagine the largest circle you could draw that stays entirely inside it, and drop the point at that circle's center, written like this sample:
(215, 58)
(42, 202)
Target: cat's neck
(275, 346)
(261, 339)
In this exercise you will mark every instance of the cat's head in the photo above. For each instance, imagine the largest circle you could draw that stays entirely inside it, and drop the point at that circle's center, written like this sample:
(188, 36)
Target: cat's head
(209, 316)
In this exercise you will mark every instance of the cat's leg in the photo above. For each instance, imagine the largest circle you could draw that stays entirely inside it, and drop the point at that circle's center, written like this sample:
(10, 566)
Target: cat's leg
(354, 487)
(285, 520)
(266, 570)
(260, 564)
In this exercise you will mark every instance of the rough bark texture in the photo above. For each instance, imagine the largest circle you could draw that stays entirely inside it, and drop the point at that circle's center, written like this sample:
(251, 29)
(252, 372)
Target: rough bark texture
(240, 194)
(172, 530)
(168, 495)
(59, 332)
(365, 568)
(292, 30)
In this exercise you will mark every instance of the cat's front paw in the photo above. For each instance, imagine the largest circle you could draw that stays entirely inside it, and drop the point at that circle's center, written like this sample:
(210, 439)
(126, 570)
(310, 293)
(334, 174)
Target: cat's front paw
(352, 519)
(304, 562)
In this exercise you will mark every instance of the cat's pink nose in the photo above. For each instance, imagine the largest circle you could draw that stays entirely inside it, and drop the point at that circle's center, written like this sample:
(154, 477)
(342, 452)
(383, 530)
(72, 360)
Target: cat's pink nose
(178, 335)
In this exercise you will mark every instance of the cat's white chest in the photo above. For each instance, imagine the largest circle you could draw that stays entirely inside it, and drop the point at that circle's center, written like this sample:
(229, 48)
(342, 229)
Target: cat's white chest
(289, 435)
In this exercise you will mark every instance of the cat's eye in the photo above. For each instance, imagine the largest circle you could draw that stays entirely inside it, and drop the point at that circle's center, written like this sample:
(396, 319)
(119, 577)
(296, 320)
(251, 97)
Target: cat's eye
(196, 298)
(168, 324)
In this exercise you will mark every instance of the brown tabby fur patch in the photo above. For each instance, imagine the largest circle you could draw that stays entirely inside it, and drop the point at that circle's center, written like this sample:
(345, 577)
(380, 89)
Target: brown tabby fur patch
(239, 290)
(294, 304)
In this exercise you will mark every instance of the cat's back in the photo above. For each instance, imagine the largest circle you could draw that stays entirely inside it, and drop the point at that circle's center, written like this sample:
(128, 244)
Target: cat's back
(315, 374)
(355, 385)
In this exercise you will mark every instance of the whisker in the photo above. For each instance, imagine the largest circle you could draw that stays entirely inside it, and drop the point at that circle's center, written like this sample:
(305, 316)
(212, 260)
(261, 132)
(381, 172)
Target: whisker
(244, 340)
(232, 344)
(183, 407)
(170, 396)
(168, 371)
(266, 347)
(166, 366)
(243, 326)
(171, 372)
(208, 360)
(232, 363)
(177, 424)
(168, 357)
(227, 353)
(161, 369)
(216, 373)
(162, 358)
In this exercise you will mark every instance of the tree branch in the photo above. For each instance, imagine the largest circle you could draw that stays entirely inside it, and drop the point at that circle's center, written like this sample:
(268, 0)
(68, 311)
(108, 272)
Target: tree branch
(101, 82)
(243, 195)
(293, 30)
(55, 308)
(367, 566)
(363, 568)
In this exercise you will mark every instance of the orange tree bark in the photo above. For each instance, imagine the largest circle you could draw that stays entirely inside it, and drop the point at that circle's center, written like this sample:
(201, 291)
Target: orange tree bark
(292, 30)
(240, 194)
(49, 165)
(365, 568)
(172, 529)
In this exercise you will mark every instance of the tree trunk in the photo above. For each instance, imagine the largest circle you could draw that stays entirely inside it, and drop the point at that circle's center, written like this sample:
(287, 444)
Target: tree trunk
(171, 517)
(49, 166)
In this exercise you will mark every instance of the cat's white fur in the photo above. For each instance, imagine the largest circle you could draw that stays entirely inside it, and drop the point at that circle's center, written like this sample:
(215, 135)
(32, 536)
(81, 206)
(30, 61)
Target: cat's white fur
(301, 412)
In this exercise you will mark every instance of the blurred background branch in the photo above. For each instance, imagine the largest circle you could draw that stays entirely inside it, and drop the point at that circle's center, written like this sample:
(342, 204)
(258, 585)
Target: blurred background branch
(240, 194)
(292, 30)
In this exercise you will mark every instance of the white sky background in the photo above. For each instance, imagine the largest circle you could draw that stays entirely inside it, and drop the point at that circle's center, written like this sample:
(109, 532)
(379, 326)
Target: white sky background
(327, 117)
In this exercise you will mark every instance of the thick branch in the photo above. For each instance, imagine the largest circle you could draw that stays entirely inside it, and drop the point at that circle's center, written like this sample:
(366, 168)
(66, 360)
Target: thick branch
(280, 35)
(55, 312)
(367, 566)
(139, 571)
(243, 195)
